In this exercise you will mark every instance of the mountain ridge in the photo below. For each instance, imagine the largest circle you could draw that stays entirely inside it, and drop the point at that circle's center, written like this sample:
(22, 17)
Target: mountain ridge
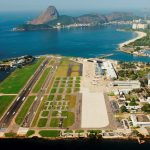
(51, 18)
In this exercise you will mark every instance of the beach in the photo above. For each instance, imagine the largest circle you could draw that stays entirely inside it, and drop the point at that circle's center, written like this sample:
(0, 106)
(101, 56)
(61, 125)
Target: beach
(139, 36)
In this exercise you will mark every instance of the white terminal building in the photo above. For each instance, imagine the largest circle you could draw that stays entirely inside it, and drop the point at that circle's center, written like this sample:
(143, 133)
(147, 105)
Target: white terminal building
(110, 70)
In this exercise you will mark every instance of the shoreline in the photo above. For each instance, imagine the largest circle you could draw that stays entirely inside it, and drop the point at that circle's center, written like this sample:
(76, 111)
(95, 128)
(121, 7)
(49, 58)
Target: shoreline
(140, 35)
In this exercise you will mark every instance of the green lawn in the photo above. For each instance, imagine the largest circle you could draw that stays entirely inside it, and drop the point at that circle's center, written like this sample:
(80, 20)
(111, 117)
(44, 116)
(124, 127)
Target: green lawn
(62, 71)
(41, 81)
(5, 101)
(59, 97)
(42, 122)
(76, 89)
(68, 131)
(53, 90)
(20, 117)
(69, 121)
(10, 135)
(79, 131)
(72, 101)
(77, 85)
(15, 82)
(39, 111)
(54, 113)
(67, 61)
(30, 132)
(63, 68)
(69, 90)
(54, 122)
(74, 74)
(61, 90)
(50, 133)
(51, 97)
(75, 68)
(45, 113)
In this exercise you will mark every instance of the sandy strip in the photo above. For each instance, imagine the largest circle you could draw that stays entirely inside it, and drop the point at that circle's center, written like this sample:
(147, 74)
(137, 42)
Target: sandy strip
(94, 112)
(140, 35)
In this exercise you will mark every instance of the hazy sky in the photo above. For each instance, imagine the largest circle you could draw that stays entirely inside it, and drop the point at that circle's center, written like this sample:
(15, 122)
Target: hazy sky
(17, 5)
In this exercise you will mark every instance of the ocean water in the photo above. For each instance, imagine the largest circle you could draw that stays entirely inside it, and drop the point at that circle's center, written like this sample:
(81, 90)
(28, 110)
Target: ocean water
(79, 42)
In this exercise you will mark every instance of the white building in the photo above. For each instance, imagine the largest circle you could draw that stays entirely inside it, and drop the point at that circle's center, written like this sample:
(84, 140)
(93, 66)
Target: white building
(130, 84)
(149, 79)
(110, 70)
(139, 26)
(148, 100)
(140, 120)
(133, 107)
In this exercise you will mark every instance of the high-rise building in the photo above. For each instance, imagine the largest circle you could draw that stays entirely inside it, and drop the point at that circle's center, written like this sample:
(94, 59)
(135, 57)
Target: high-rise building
(139, 26)
(149, 79)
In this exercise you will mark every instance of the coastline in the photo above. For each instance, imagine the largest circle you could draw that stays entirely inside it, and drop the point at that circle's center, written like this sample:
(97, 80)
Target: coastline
(139, 36)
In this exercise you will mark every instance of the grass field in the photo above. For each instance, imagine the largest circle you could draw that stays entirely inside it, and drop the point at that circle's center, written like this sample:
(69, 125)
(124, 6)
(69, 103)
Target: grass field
(41, 81)
(45, 113)
(54, 122)
(67, 61)
(75, 68)
(72, 101)
(42, 122)
(74, 74)
(79, 131)
(10, 135)
(20, 117)
(5, 101)
(30, 132)
(62, 71)
(61, 100)
(63, 68)
(50, 133)
(38, 111)
(68, 131)
(69, 121)
(15, 82)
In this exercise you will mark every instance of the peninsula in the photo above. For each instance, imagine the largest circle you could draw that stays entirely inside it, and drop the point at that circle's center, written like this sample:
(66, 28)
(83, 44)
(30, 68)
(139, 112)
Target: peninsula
(66, 97)
(138, 46)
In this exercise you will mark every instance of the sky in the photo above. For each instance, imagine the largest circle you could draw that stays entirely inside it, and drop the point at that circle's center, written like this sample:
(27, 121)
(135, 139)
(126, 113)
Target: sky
(74, 5)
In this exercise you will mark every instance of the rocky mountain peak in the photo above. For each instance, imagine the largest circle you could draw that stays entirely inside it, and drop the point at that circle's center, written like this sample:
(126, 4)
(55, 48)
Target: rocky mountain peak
(50, 14)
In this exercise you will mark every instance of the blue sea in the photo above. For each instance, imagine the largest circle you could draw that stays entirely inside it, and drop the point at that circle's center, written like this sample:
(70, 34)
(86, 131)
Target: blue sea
(78, 42)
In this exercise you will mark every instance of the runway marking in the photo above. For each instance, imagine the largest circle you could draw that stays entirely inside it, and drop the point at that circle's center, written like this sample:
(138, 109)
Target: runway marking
(18, 98)
(35, 99)
(23, 98)
(7, 113)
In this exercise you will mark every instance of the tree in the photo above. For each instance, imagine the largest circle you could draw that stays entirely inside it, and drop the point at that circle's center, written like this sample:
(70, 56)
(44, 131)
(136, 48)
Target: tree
(123, 109)
(133, 102)
(138, 48)
(146, 108)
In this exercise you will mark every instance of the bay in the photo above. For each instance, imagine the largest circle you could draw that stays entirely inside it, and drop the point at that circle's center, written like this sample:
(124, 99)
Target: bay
(77, 42)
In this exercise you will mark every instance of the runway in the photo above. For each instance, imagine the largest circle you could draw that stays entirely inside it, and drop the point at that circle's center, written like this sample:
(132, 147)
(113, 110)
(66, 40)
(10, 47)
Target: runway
(9, 115)
(29, 117)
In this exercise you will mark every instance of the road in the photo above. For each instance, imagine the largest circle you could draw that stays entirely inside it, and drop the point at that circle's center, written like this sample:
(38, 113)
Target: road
(9, 115)
(112, 120)
(29, 117)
